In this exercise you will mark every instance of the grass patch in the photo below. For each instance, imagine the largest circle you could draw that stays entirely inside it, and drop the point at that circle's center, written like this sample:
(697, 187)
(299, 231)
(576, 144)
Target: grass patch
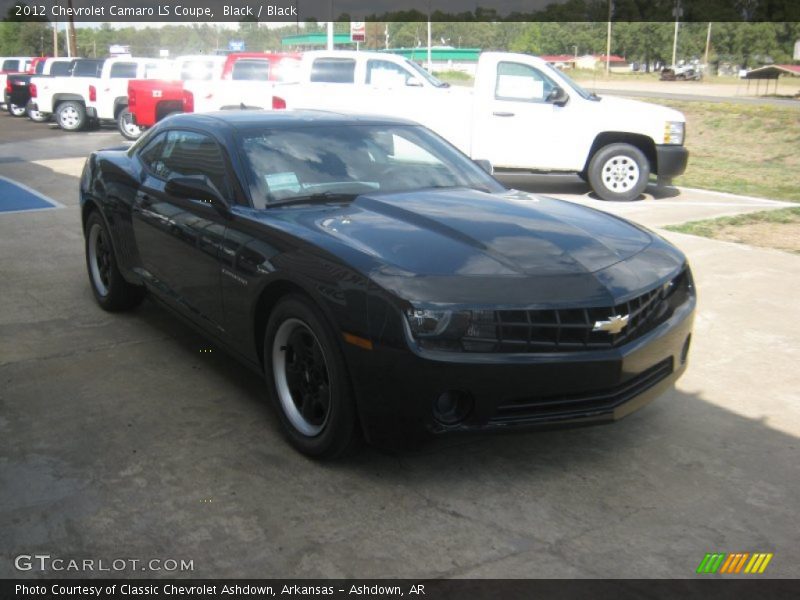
(741, 148)
(770, 229)
(455, 77)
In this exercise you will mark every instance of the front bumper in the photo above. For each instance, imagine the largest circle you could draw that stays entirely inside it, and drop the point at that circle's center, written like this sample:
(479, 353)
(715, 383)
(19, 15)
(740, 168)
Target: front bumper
(671, 160)
(396, 388)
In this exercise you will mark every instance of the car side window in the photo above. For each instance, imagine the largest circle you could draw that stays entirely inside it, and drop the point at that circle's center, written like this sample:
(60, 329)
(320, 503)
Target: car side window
(122, 70)
(250, 70)
(333, 70)
(59, 68)
(192, 154)
(384, 73)
(197, 70)
(87, 68)
(521, 83)
(150, 155)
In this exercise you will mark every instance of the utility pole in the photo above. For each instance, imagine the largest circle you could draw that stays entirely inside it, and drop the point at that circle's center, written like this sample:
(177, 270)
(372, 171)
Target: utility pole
(330, 27)
(608, 37)
(55, 39)
(708, 43)
(430, 69)
(678, 12)
(72, 42)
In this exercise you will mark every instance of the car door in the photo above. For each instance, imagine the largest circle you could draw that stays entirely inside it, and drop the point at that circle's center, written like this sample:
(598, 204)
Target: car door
(516, 125)
(178, 238)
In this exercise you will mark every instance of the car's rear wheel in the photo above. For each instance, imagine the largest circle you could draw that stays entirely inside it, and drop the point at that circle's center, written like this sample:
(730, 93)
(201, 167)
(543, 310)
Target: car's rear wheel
(308, 381)
(110, 288)
(71, 116)
(16, 110)
(619, 172)
(126, 125)
(34, 115)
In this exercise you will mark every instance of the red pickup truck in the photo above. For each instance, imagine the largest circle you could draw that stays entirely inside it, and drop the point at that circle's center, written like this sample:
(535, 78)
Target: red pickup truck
(150, 100)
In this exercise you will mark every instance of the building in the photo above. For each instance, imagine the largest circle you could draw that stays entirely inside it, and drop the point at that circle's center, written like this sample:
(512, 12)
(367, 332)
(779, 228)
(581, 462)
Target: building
(560, 61)
(598, 61)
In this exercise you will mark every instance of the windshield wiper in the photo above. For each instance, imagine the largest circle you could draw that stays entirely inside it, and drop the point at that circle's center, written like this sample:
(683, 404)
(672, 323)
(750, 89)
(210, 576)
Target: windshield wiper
(318, 198)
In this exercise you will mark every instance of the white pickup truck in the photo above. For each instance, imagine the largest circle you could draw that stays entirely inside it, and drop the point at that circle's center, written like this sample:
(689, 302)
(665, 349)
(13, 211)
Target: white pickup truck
(521, 115)
(108, 97)
(93, 86)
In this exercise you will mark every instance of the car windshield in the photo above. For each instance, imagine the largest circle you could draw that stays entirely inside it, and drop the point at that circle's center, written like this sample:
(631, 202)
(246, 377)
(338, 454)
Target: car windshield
(571, 82)
(427, 76)
(340, 162)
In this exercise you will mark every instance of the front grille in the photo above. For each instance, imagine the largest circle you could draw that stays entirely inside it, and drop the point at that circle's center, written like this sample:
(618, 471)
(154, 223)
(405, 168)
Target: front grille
(570, 330)
(580, 405)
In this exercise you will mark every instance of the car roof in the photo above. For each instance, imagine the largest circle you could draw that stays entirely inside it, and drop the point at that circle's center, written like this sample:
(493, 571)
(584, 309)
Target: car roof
(246, 119)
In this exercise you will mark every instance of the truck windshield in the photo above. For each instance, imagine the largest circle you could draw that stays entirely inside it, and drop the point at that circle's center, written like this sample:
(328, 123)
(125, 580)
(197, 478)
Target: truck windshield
(340, 162)
(426, 76)
(571, 82)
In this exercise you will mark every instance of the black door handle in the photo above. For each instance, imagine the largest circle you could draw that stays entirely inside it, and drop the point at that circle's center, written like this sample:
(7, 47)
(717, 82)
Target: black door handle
(503, 114)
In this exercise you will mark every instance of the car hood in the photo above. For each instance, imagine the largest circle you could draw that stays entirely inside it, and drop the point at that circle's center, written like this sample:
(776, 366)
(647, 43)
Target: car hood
(468, 232)
(466, 246)
(614, 107)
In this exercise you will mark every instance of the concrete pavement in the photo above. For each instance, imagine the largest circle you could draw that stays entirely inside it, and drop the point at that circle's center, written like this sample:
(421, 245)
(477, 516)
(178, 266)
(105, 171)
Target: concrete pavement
(120, 438)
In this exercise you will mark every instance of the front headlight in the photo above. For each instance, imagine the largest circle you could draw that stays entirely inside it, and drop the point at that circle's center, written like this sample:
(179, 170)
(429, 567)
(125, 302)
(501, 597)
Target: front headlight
(674, 132)
(444, 329)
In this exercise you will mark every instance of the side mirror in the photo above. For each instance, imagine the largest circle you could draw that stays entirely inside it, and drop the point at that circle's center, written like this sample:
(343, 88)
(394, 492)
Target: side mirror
(412, 81)
(557, 96)
(485, 165)
(197, 189)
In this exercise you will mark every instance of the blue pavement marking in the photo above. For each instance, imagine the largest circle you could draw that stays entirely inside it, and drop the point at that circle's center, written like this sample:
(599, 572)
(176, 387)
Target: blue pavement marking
(16, 197)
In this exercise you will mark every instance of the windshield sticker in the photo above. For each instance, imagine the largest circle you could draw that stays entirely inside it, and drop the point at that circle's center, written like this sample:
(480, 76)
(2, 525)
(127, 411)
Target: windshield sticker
(281, 182)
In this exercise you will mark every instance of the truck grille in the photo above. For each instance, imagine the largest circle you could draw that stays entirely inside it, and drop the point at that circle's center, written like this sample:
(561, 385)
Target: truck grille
(574, 329)
(580, 405)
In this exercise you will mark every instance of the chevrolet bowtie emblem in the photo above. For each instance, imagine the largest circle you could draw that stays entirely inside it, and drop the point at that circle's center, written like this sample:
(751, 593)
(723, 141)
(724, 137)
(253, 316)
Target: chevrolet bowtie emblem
(613, 325)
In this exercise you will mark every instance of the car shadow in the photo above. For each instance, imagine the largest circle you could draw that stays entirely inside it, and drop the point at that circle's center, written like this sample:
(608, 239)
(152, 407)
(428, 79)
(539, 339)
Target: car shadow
(574, 185)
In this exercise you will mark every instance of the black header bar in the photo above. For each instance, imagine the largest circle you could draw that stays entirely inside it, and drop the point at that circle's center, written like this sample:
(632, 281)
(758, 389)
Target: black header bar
(202, 11)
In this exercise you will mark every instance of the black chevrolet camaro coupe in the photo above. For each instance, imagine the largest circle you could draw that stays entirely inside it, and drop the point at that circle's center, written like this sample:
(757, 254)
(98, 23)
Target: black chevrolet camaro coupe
(384, 284)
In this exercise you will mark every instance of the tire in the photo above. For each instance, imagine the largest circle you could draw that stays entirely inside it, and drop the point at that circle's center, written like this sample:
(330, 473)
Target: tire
(16, 110)
(35, 115)
(619, 172)
(110, 289)
(126, 126)
(306, 376)
(71, 116)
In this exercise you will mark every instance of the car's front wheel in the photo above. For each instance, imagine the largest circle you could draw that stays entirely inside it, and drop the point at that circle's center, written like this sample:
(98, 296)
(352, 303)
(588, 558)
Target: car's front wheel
(619, 172)
(71, 116)
(126, 125)
(308, 381)
(110, 289)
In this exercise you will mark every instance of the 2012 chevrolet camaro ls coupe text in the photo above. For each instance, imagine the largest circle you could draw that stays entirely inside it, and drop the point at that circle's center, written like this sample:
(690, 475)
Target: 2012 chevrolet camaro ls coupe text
(383, 283)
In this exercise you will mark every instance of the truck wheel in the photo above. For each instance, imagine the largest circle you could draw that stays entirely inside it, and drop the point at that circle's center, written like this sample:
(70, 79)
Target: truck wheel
(126, 126)
(71, 116)
(16, 110)
(35, 115)
(619, 172)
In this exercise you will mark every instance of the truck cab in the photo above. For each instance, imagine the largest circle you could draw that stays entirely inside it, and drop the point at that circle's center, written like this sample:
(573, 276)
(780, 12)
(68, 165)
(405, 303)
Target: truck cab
(521, 115)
